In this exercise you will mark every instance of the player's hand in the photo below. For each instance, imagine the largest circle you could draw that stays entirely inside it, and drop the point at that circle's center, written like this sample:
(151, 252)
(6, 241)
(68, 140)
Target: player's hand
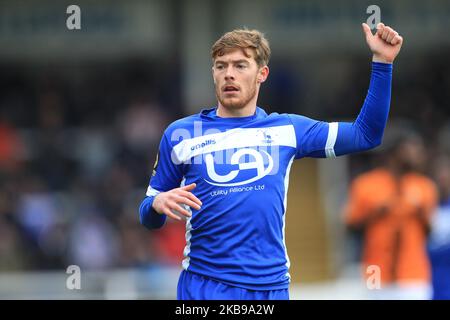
(170, 202)
(385, 44)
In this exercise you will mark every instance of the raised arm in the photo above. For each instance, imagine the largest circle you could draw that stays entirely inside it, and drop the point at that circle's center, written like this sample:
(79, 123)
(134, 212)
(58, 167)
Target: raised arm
(366, 132)
(322, 139)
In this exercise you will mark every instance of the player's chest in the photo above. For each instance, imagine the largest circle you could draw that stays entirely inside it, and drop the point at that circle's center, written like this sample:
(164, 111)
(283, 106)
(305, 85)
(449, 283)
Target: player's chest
(238, 156)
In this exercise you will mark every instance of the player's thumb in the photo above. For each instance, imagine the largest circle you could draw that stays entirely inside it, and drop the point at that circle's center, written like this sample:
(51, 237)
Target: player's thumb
(189, 187)
(367, 32)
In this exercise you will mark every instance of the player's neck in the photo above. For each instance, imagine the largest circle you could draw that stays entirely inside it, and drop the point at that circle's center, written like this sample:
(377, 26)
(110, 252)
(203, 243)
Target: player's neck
(247, 111)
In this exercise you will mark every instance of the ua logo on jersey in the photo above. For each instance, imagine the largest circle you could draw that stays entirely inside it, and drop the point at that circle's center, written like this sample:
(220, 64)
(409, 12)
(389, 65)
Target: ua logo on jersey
(257, 163)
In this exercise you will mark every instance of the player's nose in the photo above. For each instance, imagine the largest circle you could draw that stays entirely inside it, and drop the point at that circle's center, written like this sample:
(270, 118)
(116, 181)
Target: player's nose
(229, 74)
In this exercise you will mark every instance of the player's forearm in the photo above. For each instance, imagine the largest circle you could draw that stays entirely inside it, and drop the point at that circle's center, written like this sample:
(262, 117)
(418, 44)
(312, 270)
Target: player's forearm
(372, 119)
(366, 132)
(149, 217)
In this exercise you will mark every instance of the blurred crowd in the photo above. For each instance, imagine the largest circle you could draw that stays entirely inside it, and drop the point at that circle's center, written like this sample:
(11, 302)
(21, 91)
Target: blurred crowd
(76, 154)
(77, 146)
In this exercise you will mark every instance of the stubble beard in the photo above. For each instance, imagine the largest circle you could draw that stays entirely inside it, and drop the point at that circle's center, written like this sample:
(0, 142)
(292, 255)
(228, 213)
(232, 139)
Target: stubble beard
(234, 103)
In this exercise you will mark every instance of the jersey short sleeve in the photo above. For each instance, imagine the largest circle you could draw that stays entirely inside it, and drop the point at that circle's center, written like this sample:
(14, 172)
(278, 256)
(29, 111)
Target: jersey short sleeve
(314, 138)
(167, 173)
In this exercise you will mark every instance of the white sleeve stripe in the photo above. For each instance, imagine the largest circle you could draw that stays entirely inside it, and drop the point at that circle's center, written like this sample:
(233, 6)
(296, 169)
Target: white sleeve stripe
(331, 140)
(152, 192)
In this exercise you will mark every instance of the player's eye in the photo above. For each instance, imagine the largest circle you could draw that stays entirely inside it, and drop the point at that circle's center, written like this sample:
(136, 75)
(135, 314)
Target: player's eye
(241, 66)
(219, 67)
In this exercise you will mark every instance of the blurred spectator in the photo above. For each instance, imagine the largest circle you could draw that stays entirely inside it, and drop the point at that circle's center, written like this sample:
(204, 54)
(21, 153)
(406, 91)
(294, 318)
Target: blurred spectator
(439, 242)
(12, 250)
(392, 206)
(52, 156)
(11, 146)
(170, 242)
(140, 125)
(39, 218)
(94, 149)
(37, 211)
(93, 243)
(136, 250)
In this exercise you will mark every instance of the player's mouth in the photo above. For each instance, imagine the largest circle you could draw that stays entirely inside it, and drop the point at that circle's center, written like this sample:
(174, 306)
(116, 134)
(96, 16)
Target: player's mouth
(230, 89)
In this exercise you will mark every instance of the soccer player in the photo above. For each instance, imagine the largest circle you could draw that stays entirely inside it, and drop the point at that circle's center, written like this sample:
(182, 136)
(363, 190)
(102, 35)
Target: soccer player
(392, 205)
(226, 169)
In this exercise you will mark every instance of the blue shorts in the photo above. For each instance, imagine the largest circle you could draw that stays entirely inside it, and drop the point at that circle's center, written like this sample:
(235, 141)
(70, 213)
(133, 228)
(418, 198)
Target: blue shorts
(192, 286)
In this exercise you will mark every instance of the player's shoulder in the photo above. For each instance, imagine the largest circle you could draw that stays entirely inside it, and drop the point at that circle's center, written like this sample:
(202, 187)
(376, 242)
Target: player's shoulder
(299, 120)
(279, 117)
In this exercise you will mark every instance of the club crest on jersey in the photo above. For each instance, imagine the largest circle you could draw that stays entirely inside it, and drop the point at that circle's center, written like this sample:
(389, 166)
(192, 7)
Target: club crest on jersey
(265, 135)
(256, 164)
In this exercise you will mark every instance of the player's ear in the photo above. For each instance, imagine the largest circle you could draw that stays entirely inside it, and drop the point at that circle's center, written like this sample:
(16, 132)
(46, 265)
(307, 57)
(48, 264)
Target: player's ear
(263, 74)
(212, 72)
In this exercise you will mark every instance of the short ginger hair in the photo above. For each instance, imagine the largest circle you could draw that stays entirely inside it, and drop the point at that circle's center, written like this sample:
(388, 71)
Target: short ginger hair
(243, 39)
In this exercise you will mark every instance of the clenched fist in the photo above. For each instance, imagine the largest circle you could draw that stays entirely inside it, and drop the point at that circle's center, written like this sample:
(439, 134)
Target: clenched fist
(385, 44)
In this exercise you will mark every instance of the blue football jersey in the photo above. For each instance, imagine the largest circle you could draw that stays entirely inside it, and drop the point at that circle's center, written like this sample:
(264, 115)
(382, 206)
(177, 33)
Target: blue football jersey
(241, 168)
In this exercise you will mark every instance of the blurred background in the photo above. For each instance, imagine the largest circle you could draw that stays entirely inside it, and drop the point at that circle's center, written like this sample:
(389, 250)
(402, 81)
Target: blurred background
(82, 112)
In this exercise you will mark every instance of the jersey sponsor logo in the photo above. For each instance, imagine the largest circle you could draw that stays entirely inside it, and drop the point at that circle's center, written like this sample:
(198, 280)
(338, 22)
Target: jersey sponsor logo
(187, 146)
(203, 144)
(256, 163)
